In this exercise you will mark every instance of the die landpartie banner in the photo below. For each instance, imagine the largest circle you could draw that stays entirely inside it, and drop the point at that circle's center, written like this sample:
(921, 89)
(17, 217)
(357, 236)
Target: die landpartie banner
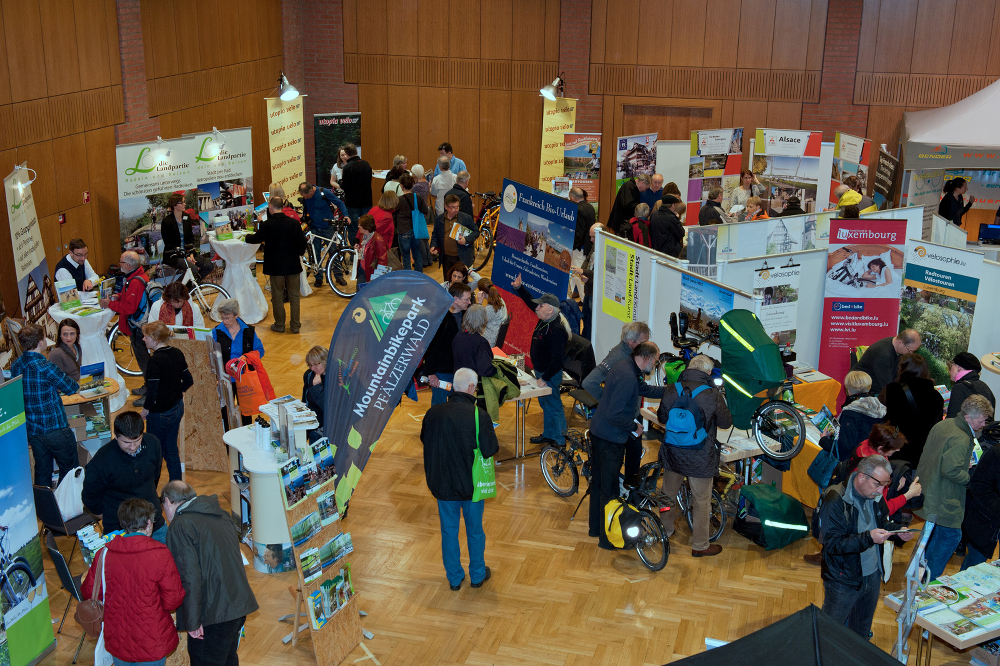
(223, 167)
(558, 118)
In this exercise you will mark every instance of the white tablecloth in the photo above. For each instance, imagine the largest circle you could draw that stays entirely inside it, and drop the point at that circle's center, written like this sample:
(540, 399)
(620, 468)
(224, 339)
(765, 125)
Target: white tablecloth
(95, 347)
(237, 280)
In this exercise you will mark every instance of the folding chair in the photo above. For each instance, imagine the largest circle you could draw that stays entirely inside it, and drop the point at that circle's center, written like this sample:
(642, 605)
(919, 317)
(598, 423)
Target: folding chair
(47, 510)
(69, 582)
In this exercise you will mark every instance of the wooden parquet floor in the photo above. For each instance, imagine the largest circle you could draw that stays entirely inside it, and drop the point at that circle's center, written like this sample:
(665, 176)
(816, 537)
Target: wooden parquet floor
(554, 597)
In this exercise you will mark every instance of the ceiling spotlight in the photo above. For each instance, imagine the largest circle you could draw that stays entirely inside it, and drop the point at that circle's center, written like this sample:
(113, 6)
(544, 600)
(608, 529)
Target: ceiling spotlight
(159, 144)
(215, 136)
(286, 91)
(554, 89)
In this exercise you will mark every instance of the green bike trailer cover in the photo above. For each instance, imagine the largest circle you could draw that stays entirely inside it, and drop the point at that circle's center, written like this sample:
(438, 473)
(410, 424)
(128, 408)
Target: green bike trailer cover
(751, 363)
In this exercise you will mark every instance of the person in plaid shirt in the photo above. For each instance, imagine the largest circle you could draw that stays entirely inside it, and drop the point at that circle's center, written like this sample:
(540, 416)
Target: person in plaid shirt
(48, 432)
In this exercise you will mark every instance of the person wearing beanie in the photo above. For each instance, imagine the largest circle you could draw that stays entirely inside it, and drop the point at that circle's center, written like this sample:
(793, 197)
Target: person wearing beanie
(964, 370)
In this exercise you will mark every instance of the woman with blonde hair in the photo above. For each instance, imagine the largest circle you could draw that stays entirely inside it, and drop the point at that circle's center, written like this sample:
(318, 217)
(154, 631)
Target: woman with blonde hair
(167, 378)
(860, 412)
(383, 215)
(276, 190)
(496, 309)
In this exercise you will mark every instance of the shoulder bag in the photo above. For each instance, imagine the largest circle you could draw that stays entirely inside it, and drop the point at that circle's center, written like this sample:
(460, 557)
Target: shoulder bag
(484, 480)
(822, 467)
(89, 613)
(419, 221)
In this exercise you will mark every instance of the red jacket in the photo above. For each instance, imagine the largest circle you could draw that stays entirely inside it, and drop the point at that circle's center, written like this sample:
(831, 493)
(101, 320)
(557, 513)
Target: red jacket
(384, 225)
(143, 588)
(130, 298)
(376, 254)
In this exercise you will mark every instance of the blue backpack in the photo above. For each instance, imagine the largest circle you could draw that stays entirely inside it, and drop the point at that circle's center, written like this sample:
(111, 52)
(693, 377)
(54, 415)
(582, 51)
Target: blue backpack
(685, 426)
(151, 293)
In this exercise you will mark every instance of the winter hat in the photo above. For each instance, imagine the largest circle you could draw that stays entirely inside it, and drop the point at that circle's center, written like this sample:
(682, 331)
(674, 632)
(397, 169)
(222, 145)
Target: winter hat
(967, 361)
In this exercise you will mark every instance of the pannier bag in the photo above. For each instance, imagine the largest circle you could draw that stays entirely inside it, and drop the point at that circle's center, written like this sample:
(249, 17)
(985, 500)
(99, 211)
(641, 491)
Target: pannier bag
(770, 518)
(621, 523)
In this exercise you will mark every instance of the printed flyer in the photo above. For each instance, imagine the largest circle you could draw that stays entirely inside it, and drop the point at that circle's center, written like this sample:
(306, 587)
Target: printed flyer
(621, 280)
(634, 155)
(786, 162)
(777, 310)
(939, 300)
(851, 155)
(863, 280)
(559, 117)
(716, 160)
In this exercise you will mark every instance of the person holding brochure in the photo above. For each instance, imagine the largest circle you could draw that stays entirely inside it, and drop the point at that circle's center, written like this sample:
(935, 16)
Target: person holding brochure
(455, 233)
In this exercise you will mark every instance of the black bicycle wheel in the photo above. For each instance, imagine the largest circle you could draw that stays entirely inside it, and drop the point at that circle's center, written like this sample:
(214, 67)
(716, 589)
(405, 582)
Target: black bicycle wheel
(559, 471)
(483, 246)
(653, 547)
(124, 358)
(716, 517)
(779, 429)
(342, 261)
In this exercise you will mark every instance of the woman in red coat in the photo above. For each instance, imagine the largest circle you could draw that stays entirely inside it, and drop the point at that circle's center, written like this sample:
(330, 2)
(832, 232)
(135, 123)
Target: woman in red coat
(373, 250)
(142, 587)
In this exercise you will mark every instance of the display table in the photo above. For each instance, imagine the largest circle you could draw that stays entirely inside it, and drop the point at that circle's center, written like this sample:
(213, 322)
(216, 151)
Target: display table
(989, 359)
(267, 515)
(95, 347)
(529, 389)
(238, 280)
(816, 394)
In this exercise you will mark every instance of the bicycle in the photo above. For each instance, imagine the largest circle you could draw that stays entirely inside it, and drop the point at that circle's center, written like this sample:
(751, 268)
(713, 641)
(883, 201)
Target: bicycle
(17, 581)
(723, 504)
(337, 253)
(487, 220)
(203, 294)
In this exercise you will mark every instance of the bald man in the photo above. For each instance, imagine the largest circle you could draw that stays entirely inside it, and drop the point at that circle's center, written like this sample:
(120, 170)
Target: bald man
(655, 191)
(126, 304)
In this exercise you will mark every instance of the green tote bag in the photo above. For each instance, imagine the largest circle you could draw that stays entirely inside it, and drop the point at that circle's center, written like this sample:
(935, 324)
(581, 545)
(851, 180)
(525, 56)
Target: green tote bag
(484, 479)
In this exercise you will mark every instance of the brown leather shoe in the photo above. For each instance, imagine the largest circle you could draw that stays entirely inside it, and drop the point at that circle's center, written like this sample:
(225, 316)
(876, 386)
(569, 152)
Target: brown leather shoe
(712, 550)
(814, 558)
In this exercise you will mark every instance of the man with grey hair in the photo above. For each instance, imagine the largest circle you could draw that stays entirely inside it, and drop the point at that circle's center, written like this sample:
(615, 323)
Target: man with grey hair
(655, 191)
(461, 190)
(944, 474)
(131, 314)
(444, 180)
(854, 523)
(881, 359)
(450, 433)
(217, 594)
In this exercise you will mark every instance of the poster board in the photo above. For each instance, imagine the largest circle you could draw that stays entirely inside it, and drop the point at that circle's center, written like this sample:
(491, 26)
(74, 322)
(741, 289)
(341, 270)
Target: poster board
(983, 338)
(582, 164)
(787, 163)
(223, 168)
(330, 132)
(851, 157)
(35, 288)
(203, 427)
(634, 155)
(714, 160)
(672, 162)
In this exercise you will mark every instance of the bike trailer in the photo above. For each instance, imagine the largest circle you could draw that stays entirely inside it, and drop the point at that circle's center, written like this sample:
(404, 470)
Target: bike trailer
(770, 518)
(622, 523)
(751, 364)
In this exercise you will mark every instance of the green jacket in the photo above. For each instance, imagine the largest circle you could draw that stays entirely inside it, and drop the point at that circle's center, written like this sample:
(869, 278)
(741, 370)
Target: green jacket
(944, 471)
(499, 388)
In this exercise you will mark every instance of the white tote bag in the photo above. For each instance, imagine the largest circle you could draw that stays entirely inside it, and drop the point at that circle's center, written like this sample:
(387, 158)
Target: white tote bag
(69, 494)
(101, 655)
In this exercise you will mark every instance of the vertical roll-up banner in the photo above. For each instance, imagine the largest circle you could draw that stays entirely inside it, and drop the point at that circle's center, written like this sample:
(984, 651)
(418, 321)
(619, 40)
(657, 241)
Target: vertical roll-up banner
(330, 132)
(885, 185)
(375, 350)
(634, 155)
(558, 118)
(851, 157)
(582, 163)
(223, 166)
(786, 162)
(778, 306)
(34, 286)
(286, 143)
(864, 277)
(716, 160)
(26, 613)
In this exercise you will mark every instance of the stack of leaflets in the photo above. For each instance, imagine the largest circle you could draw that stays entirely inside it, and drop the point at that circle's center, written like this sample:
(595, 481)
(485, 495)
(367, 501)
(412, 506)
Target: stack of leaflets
(84, 310)
(68, 295)
(826, 423)
(92, 541)
(223, 228)
(332, 595)
(91, 376)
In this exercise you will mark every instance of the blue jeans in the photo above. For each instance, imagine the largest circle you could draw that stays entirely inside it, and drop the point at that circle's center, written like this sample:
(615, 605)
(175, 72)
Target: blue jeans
(408, 244)
(160, 534)
(119, 662)
(941, 547)
(355, 215)
(438, 395)
(553, 416)
(854, 608)
(451, 552)
(165, 426)
(58, 445)
(974, 557)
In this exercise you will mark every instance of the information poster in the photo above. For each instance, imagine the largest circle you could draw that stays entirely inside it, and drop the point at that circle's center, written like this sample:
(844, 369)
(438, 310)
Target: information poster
(863, 281)
(34, 286)
(330, 132)
(558, 118)
(924, 189)
(716, 160)
(26, 613)
(939, 300)
(286, 144)
(634, 155)
(704, 303)
(621, 280)
(851, 156)
(786, 162)
(777, 310)
(885, 186)
(582, 163)
(224, 177)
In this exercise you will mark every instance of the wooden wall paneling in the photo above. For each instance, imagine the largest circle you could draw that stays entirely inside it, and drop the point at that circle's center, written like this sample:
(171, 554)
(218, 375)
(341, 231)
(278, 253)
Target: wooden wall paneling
(25, 51)
(210, 53)
(749, 114)
(350, 26)
(92, 52)
(5, 98)
(463, 134)
(934, 19)
(434, 31)
(71, 180)
(79, 224)
(464, 28)
(272, 14)
(48, 225)
(673, 119)
(884, 126)
(39, 157)
(497, 29)
(726, 117)
(106, 237)
(757, 22)
(608, 137)
(622, 28)
(598, 9)
(525, 136)
(403, 125)
(371, 26)
(250, 49)
(868, 35)
(432, 114)
(162, 41)
(791, 18)
(66, 114)
(721, 48)
(687, 46)
(894, 41)
(373, 101)
(188, 49)
(992, 63)
(784, 115)
(817, 35)
(7, 141)
(653, 16)
(528, 42)
(494, 135)
(971, 37)
(111, 38)
(402, 23)
(146, 18)
(552, 20)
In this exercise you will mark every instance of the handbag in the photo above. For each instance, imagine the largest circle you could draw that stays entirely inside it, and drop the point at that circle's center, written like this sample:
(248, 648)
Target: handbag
(393, 260)
(419, 221)
(484, 479)
(89, 613)
(69, 494)
(821, 468)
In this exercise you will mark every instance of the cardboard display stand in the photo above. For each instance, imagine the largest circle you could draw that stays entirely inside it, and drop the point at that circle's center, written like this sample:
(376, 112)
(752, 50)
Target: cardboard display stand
(203, 429)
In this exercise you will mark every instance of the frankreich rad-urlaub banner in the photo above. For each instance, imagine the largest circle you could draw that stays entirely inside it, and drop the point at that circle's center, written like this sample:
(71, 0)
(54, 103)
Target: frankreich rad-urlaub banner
(34, 286)
(863, 280)
(286, 142)
(330, 132)
(375, 350)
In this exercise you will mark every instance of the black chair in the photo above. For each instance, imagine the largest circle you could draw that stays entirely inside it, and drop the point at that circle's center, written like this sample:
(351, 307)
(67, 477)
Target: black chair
(47, 510)
(502, 333)
(69, 582)
(579, 362)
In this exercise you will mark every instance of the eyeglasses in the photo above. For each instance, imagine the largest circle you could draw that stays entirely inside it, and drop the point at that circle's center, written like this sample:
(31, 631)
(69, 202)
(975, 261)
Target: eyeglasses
(880, 484)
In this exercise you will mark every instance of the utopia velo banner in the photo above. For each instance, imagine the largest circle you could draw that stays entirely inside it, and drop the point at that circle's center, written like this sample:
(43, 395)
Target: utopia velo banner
(374, 352)
(285, 136)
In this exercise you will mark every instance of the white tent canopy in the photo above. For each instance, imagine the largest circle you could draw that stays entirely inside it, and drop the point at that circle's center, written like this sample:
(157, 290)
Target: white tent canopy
(964, 135)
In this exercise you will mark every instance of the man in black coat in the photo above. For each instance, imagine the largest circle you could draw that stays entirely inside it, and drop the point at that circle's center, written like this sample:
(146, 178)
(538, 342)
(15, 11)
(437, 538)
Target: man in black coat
(450, 434)
(357, 183)
(284, 242)
(461, 190)
(964, 370)
(711, 212)
(616, 420)
(439, 359)
(628, 197)
(981, 525)
(586, 217)
(881, 359)
(665, 228)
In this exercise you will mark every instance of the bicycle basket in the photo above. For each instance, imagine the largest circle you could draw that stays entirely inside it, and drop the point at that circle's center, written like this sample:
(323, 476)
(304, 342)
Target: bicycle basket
(751, 364)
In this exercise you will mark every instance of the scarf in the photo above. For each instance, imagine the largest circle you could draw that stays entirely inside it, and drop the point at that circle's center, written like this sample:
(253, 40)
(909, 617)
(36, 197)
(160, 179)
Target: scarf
(168, 315)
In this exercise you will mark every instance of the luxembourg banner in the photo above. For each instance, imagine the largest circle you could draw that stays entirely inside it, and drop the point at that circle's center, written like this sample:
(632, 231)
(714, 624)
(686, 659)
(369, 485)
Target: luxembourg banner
(939, 300)
(634, 155)
(863, 280)
(374, 352)
(34, 286)
(223, 167)
(582, 163)
(26, 613)
(716, 160)
(286, 143)
(787, 163)
(558, 118)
